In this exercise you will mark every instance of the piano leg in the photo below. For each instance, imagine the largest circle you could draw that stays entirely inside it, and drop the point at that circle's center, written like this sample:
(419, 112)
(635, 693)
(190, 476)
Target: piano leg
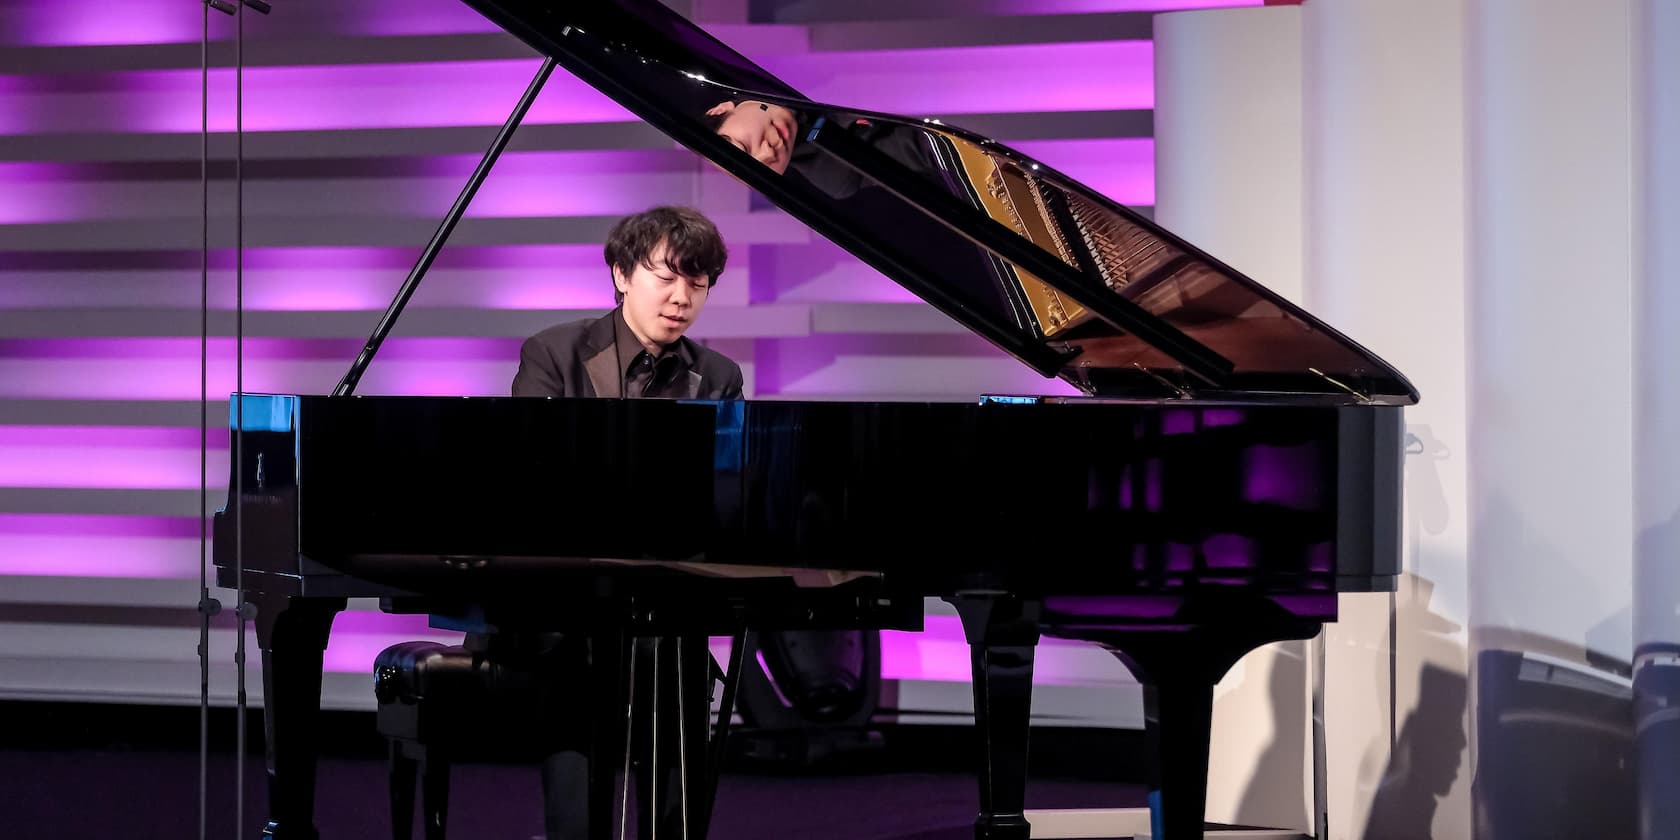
(1002, 637)
(1178, 716)
(292, 633)
(607, 671)
(1178, 669)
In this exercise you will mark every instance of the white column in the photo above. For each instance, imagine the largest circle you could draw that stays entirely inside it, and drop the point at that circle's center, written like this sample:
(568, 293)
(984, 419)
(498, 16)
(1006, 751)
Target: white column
(1228, 179)
(1228, 137)
(1385, 263)
(1551, 377)
(1656, 429)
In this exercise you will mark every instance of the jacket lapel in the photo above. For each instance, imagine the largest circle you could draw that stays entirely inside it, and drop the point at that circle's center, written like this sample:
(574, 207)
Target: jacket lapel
(692, 389)
(603, 373)
(602, 363)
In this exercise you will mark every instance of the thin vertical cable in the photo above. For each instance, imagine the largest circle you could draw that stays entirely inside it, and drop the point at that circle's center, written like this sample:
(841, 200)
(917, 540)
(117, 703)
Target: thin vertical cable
(652, 808)
(682, 745)
(629, 736)
(241, 610)
(204, 430)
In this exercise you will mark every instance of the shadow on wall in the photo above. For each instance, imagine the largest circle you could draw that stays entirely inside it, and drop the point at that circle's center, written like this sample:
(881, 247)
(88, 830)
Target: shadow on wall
(1275, 782)
(1425, 761)
(1429, 750)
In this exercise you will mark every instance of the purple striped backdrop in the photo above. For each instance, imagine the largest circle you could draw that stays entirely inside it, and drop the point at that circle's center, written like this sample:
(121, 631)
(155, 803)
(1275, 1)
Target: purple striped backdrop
(69, 171)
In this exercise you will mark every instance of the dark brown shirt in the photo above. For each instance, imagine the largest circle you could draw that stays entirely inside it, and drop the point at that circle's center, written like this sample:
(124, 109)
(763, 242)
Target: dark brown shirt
(584, 359)
(647, 375)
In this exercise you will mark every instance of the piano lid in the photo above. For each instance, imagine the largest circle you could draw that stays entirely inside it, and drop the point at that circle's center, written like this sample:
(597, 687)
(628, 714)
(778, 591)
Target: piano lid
(1057, 275)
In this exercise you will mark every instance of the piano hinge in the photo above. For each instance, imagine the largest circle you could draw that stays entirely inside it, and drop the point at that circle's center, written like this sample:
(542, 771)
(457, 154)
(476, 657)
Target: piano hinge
(1363, 398)
(1182, 392)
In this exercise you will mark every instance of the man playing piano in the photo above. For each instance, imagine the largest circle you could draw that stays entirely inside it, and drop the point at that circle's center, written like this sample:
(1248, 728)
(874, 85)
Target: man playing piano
(663, 262)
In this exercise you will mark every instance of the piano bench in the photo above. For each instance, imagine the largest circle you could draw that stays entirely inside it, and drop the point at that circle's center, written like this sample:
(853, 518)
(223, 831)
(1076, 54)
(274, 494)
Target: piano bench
(440, 703)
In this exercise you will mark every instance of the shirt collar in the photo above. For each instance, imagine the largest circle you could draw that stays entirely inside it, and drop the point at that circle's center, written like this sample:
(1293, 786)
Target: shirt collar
(627, 340)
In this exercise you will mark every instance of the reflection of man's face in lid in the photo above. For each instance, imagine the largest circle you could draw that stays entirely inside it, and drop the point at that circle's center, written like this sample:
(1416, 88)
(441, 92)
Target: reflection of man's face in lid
(759, 129)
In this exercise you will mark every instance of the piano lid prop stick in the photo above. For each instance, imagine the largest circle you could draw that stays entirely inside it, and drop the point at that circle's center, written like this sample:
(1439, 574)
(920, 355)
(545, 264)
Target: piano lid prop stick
(726, 710)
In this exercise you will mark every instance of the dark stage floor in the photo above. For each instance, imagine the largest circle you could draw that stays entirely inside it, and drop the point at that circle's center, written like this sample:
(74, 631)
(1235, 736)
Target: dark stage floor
(72, 771)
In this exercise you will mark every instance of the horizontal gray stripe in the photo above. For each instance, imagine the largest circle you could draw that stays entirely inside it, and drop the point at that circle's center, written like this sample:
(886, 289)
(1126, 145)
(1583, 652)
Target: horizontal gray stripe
(769, 320)
(970, 30)
(110, 412)
(182, 234)
(262, 52)
(343, 143)
(105, 502)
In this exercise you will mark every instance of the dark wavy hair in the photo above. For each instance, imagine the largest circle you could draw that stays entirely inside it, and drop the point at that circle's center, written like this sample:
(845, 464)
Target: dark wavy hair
(693, 246)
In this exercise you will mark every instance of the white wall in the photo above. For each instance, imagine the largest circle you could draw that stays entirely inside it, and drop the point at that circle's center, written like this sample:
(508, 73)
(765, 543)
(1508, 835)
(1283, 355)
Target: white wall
(1385, 262)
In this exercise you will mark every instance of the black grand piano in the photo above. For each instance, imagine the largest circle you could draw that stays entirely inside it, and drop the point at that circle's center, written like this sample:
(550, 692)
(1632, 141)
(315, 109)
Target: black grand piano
(1232, 465)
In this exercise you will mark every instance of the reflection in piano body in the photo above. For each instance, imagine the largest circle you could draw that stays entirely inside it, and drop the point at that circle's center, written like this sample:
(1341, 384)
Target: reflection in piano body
(1233, 465)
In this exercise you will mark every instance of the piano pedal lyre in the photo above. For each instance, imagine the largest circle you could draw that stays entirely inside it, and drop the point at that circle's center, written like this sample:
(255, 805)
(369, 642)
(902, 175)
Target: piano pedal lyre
(650, 810)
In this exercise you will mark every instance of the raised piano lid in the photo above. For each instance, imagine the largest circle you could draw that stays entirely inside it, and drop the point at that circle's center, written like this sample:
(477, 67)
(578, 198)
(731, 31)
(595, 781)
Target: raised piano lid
(1057, 275)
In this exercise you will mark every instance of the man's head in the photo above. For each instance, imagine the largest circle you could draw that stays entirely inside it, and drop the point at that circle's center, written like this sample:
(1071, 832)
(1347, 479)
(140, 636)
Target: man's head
(762, 130)
(664, 262)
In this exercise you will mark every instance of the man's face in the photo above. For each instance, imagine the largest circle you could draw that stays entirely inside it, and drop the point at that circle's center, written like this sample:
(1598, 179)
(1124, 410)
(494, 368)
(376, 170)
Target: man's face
(761, 130)
(659, 303)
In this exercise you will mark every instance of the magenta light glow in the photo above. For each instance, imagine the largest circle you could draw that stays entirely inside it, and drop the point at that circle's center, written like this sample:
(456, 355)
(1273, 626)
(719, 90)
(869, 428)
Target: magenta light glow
(44, 24)
(1282, 475)
(1122, 169)
(500, 277)
(98, 546)
(583, 183)
(575, 183)
(139, 22)
(1020, 78)
(358, 637)
(938, 654)
(39, 192)
(119, 457)
(170, 21)
(1065, 7)
(956, 80)
(820, 272)
(572, 276)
